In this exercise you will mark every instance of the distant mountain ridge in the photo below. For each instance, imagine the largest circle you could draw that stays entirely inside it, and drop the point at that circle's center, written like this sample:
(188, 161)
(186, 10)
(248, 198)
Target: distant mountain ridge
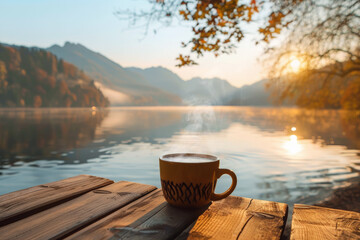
(203, 91)
(157, 85)
(161, 78)
(213, 91)
(114, 77)
(251, 95)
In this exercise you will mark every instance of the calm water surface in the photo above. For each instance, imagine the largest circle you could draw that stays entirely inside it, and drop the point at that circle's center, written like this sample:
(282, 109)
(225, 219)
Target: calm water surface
(285, 155)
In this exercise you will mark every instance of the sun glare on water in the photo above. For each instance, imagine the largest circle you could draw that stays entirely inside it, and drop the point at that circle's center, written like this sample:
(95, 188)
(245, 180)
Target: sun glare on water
(292, 145)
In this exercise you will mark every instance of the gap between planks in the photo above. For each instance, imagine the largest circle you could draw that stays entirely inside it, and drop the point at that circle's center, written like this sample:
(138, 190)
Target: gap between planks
(66, 218)
(152, 218)
(239, 218)
(22, 203)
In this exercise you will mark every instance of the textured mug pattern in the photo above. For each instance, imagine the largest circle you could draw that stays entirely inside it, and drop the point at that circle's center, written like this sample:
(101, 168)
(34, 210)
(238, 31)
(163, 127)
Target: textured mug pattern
(186, 193)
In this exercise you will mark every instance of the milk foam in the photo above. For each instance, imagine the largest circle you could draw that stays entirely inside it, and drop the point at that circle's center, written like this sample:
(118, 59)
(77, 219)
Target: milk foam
(187, 159)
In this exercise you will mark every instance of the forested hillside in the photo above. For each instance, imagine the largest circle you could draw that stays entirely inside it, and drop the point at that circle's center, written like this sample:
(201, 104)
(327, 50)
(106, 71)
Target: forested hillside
(32, 77)
(127, 88)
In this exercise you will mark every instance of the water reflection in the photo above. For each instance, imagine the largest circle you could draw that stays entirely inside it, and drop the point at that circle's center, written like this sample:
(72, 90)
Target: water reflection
(286, 155)
(292, 146)
(28, 135)
(328, 127)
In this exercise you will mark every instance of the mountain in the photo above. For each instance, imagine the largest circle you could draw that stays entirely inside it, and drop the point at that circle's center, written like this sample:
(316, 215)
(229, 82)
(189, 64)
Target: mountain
(113, 78)
(251, 95)
(157, 85)
(208, 91)
(32, 77)
(161, 78)
(203, 91)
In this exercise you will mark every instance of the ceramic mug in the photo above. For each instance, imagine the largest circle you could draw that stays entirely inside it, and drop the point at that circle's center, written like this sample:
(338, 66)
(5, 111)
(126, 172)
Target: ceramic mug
(189, 179)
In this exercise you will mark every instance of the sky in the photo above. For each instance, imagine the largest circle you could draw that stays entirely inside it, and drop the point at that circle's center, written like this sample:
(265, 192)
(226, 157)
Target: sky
(92, 23)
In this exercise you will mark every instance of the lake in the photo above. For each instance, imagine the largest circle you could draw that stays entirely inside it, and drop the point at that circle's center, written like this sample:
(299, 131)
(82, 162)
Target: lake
(280, 154)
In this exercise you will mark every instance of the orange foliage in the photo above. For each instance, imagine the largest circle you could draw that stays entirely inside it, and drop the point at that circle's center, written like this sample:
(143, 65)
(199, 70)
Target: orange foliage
(22, 102)
(3, 71)
(37, 101)
(35, 78)
(52, 81)
(15, 59)
(351, 96)
(41, 74)
(69, 69)
(63, 87)
(53, 64)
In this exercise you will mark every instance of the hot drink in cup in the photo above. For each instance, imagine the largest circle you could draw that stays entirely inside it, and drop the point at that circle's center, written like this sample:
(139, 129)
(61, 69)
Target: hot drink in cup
(189, 179)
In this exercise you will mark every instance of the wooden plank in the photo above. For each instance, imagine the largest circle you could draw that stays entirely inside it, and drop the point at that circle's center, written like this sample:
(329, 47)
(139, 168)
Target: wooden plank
(148, 218)
(239, 218)
(152, 218)
(30, 200)
(66, 218)
(123, 218)
(311, 222)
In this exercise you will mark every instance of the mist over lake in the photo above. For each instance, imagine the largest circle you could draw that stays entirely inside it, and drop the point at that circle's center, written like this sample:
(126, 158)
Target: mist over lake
(279, 154)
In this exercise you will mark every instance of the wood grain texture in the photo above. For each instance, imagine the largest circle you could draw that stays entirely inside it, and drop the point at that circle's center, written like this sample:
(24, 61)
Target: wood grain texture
(311, 222)
(63, 219)
(239, 218)
(152, 218)
(148, 218)
(123, 219)
(28, 200)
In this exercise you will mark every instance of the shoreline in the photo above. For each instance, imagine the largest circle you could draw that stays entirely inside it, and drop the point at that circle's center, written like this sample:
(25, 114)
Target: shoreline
(346, 198)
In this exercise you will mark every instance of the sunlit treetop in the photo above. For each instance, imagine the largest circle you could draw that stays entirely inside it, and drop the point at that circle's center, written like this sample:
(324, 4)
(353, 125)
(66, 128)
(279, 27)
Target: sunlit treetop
(217, 25)
(325, 29)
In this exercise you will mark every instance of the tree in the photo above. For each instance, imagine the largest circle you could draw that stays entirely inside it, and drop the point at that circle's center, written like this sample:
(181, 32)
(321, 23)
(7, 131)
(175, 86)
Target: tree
(323, 36)
(216, 24)
(31, 77)
(327, 27)
(3, 73)
(37, 101)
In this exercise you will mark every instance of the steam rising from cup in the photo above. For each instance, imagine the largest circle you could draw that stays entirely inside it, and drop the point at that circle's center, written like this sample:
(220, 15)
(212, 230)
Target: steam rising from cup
(200, 119)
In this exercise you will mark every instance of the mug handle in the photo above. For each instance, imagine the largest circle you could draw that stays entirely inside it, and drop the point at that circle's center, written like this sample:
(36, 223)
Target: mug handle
(219, 173)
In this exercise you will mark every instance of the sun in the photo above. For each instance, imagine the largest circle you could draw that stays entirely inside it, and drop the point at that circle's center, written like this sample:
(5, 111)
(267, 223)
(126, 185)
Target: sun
(295, 65)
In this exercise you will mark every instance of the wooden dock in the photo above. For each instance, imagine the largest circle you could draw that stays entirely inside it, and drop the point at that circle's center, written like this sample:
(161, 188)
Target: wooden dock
(89, 207)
